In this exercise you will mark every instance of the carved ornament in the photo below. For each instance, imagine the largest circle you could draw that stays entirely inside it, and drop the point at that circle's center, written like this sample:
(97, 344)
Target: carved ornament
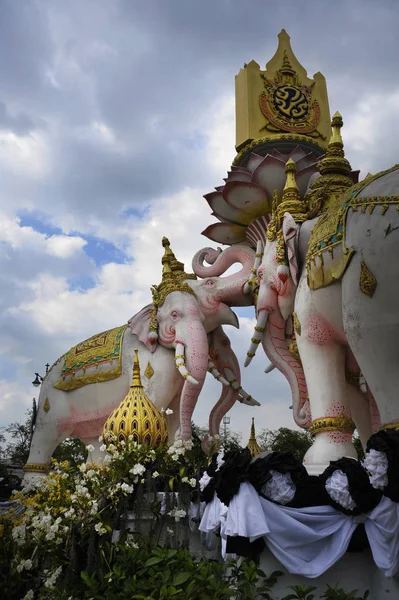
(341, 423)
(367, 281)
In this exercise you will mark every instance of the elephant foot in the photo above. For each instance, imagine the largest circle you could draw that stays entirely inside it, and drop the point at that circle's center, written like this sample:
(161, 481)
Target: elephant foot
(327, 447)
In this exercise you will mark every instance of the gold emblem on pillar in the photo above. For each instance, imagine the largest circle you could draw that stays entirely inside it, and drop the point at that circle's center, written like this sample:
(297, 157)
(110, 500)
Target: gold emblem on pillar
(149, 371)
(367, 281)
(46, 405)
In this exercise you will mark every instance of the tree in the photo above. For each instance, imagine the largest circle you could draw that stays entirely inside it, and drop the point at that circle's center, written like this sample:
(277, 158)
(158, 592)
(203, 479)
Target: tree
(17, 452)
(285, 440)
(230, 440)
(73, 450)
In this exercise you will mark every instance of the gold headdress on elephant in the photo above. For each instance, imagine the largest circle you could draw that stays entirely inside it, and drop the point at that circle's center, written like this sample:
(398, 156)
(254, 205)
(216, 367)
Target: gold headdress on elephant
(173, 276)
(290, 202)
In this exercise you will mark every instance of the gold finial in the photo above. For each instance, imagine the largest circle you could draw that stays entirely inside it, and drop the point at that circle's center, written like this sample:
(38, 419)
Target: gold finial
(336, 125)
(136, 383)
(334, 169)
(291, 201)
(253, 445)
(290, 182)
(176, 266)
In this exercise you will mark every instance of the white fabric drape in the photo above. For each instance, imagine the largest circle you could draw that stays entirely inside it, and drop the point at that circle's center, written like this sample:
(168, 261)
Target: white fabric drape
(307, 541)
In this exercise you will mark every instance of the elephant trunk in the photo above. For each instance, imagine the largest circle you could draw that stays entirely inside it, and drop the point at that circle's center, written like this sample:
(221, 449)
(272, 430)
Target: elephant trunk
(232, 286)
(196, 355)
(276, 347)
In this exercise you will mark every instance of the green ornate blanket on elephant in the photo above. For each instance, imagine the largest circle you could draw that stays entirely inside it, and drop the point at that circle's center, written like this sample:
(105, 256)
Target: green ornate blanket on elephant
(328, 256)
(96, 359)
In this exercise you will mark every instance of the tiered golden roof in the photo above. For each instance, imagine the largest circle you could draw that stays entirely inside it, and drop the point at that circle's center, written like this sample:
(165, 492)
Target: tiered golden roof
(253, 445)
(173, 276)
(137, 416)
(280, 107)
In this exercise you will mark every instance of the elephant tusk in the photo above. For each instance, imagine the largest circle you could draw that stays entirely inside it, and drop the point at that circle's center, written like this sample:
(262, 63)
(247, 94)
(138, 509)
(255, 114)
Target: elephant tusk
(212, 369)
(252, 277)
(181, 364)
(257, 337)
(362, 384)
(269, 368)
(243, 396)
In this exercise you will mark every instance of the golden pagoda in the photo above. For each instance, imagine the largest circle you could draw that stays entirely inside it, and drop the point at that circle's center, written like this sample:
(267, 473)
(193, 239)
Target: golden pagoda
(253, 445)
(136, 416)
(281, 107)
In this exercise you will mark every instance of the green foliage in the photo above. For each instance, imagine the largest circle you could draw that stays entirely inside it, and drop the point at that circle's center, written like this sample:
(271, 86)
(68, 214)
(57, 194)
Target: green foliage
(285, 440)
(302, 592)
(72, 450)
(337, 593)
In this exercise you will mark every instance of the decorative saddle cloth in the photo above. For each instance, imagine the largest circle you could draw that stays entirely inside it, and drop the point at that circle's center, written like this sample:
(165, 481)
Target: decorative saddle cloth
(96, 359)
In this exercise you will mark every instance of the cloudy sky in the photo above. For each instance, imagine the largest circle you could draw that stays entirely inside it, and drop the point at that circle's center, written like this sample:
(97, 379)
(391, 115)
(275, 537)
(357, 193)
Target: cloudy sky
(116, 116)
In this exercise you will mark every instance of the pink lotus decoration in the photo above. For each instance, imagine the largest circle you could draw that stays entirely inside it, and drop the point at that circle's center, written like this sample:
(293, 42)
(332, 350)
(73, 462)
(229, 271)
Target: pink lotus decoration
(244, 204)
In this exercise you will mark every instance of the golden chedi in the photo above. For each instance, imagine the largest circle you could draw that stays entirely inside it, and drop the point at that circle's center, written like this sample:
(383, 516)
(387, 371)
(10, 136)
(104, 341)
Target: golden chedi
(136, 416)
(253, 445)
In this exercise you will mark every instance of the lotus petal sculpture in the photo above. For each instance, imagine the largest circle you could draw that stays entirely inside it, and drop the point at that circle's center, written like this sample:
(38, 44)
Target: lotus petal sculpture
(244, 203)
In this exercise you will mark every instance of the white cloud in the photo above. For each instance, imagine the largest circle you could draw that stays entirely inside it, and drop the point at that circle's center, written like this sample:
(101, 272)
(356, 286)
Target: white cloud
(64, 246)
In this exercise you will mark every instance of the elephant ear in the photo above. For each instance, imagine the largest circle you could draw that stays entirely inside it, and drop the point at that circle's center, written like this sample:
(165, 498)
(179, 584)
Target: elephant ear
(140, 326)
(291, 236)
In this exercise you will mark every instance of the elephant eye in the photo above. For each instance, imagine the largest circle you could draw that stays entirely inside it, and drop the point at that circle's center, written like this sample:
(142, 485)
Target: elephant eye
(174, 314)
(209, 282)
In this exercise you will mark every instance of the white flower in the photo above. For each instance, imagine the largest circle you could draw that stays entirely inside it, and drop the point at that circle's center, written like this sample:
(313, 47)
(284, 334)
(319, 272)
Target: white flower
(82, 467)
(193, 482)
(64, 476)
(177, 514)
(126, 488)
(101, 439)
(162, 410)
(170, 531)
(216, 436)
(28, 595)
(50, 581)
(138, 469)
(155, 474)
(90, 474)
(90, 448)
(103, 448)
(94, 507)
(100, 528)
(24, 564)
(168, 411)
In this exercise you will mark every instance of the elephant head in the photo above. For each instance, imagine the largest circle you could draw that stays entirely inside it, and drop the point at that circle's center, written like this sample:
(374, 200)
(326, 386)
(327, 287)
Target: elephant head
(275, 305)
(217, 294)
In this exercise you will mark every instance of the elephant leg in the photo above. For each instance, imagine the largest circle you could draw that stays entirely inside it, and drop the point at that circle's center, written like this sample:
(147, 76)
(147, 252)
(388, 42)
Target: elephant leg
(372, 323)
(45, 440)
(329, 396)
(360, 410)
(173, 420)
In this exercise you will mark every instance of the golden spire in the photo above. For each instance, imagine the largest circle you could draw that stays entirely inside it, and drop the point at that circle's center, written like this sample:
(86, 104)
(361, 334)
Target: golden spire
(291, 201)
(171, 282)
(335, 172)
(253, 445)
(176, 266)
(136, 416)
(136, 382)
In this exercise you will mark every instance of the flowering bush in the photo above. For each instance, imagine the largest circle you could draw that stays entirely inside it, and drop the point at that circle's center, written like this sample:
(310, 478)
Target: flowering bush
(72, 517)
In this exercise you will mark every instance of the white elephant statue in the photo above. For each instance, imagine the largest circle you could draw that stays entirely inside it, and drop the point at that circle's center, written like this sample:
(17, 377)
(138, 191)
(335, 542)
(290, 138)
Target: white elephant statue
(338, 274)
(163, 332)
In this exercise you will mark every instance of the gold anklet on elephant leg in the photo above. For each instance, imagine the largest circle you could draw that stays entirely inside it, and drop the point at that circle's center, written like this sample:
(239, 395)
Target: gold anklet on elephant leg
(36, 468)
(340, 423)
(394, 425)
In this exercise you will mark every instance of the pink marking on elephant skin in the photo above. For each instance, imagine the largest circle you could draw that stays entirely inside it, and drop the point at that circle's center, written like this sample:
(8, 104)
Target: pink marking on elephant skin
(196, 355)
(336, 436)
(84, 424)
(276, 349)
(319, 330)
